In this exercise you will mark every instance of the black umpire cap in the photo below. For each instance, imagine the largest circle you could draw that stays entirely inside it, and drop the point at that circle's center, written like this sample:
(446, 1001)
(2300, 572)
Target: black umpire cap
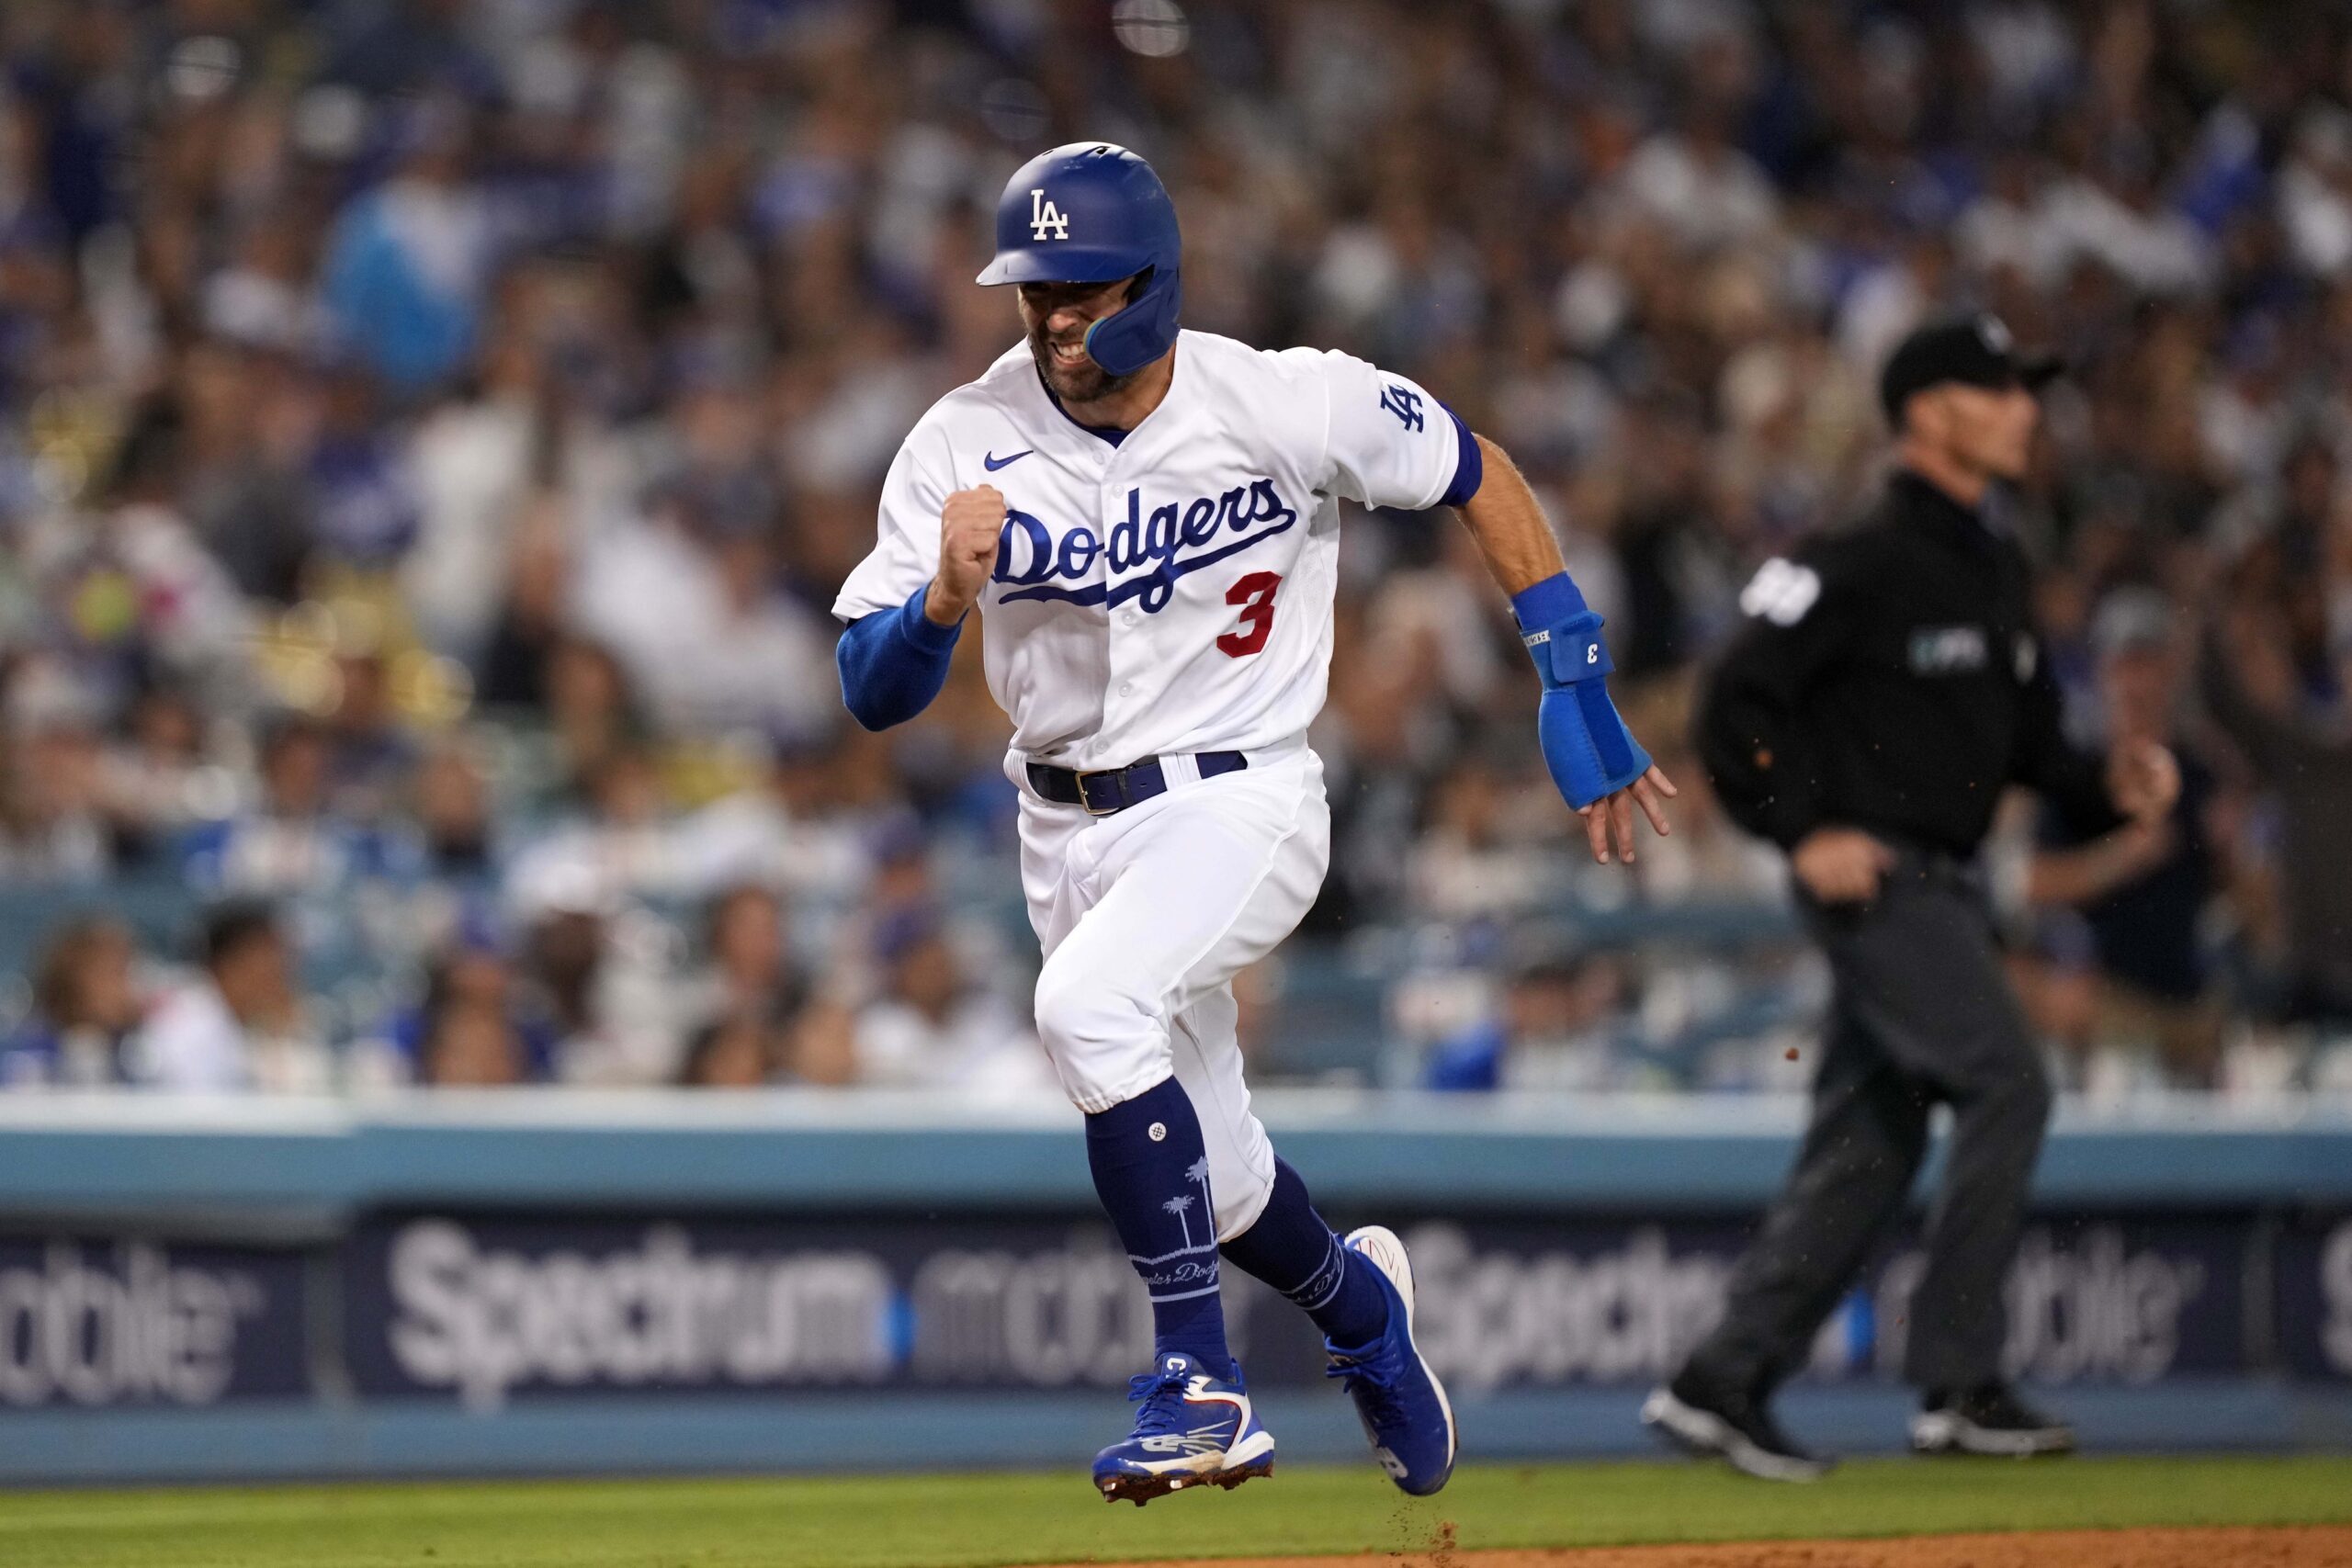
(1974, 350)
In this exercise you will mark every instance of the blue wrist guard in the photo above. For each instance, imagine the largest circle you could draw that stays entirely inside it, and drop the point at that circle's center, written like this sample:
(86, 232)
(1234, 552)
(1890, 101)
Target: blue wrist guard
(1586, 745)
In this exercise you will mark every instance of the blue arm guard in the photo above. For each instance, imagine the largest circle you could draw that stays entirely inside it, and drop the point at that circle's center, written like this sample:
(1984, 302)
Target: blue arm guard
(1586, 745)
(893, 662)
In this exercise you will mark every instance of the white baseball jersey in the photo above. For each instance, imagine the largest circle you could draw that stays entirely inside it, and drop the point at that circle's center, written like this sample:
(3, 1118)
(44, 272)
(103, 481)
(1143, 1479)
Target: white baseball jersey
(1171, 593)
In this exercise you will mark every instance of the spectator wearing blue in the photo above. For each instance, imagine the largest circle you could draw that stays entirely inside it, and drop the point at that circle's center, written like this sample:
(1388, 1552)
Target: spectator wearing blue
(408, 262)
(474, 1026)
(85, 1003)
(1542, 1031)
(293, 841)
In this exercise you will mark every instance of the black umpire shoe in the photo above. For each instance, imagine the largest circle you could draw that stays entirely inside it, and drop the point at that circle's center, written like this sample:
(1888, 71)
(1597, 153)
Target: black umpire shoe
(1703, 1420)
(1987, 1420)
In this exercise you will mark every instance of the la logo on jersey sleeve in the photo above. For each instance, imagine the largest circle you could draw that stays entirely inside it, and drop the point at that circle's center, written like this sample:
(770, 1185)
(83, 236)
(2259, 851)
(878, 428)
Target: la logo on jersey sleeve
(1406, 405)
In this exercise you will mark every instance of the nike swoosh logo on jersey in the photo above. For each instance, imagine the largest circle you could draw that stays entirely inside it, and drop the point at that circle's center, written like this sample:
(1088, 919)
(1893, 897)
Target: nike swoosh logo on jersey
(992, 462)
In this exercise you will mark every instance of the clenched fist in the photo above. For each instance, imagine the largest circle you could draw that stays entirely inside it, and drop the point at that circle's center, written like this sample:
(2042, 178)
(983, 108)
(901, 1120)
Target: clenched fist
(969, 526)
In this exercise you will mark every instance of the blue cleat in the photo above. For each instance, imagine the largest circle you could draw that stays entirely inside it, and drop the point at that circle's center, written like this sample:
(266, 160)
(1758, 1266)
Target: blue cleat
(1194, 1431)
(1403, 1405)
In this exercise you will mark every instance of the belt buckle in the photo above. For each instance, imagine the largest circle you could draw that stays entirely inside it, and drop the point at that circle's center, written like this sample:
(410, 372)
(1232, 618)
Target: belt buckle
(1086, 801)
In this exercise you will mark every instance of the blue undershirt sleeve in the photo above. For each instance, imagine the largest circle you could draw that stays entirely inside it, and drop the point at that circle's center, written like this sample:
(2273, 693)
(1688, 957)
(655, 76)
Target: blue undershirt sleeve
(894, 663)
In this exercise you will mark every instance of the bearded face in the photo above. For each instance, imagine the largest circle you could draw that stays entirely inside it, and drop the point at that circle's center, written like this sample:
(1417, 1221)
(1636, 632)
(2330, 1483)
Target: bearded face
(1057, 316)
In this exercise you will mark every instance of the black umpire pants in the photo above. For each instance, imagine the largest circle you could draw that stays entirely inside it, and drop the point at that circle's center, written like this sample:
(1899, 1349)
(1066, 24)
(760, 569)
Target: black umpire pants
(1922, 1012)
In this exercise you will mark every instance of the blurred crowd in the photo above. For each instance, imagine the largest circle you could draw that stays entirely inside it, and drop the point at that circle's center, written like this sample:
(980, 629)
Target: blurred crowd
(431, 431)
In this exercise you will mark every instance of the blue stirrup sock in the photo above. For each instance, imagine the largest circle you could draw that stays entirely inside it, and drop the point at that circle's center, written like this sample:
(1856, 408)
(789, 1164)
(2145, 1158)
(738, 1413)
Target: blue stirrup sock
(1292, 1249)
(1151, 1170)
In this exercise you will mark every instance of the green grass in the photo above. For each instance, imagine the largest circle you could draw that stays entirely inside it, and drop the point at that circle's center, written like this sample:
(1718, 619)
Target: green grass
(974, 1521)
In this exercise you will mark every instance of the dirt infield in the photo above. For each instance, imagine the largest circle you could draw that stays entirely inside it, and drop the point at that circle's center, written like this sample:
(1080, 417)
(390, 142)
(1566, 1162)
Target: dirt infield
(2320, 1546)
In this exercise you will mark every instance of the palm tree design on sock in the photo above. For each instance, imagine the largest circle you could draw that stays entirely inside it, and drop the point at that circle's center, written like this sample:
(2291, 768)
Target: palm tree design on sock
(1198, 1174)
(1198, 1171)
(1180, 1206)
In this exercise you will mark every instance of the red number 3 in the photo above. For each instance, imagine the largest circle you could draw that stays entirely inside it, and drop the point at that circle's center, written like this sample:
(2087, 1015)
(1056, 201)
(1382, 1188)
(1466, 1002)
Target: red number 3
(1255, 594)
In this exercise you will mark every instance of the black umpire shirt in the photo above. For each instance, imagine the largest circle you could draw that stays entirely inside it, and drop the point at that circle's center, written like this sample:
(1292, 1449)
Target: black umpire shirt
(1889, 679)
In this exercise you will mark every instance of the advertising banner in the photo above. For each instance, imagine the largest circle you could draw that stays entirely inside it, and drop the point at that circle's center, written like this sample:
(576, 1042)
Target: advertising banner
(485, 1308)
(1584, 1302)
(2315, 1296)
(105, 1323)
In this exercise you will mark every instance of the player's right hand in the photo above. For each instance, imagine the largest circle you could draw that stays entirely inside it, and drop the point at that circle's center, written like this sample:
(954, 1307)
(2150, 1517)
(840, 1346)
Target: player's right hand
(1840, 866)
(969, 527)
(1614, 813)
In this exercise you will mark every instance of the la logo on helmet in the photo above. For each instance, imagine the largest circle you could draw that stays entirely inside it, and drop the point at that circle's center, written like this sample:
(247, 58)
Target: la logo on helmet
(1045, 216)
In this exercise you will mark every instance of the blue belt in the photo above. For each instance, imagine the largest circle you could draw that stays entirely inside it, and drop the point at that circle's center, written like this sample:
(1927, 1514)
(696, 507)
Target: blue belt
(1113, 790)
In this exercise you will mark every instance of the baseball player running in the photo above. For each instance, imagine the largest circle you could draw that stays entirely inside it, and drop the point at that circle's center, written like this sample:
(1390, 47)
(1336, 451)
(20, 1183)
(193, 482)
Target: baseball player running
(1149, 519)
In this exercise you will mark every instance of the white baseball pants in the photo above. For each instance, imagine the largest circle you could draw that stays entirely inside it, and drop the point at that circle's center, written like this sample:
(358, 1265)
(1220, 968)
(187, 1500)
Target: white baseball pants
(1146, 915)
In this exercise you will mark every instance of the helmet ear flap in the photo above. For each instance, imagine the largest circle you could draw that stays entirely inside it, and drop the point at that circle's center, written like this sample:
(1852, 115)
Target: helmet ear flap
(1140, 332)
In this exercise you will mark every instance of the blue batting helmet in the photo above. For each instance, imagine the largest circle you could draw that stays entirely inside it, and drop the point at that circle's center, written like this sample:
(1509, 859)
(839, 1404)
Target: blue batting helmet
(1091, 213)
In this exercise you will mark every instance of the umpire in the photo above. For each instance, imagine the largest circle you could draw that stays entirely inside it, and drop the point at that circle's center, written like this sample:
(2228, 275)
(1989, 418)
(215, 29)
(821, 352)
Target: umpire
(1885, 689)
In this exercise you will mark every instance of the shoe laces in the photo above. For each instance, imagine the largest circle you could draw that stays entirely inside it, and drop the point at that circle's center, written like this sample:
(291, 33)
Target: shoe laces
(1372, 1377)
(1161, 1394)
